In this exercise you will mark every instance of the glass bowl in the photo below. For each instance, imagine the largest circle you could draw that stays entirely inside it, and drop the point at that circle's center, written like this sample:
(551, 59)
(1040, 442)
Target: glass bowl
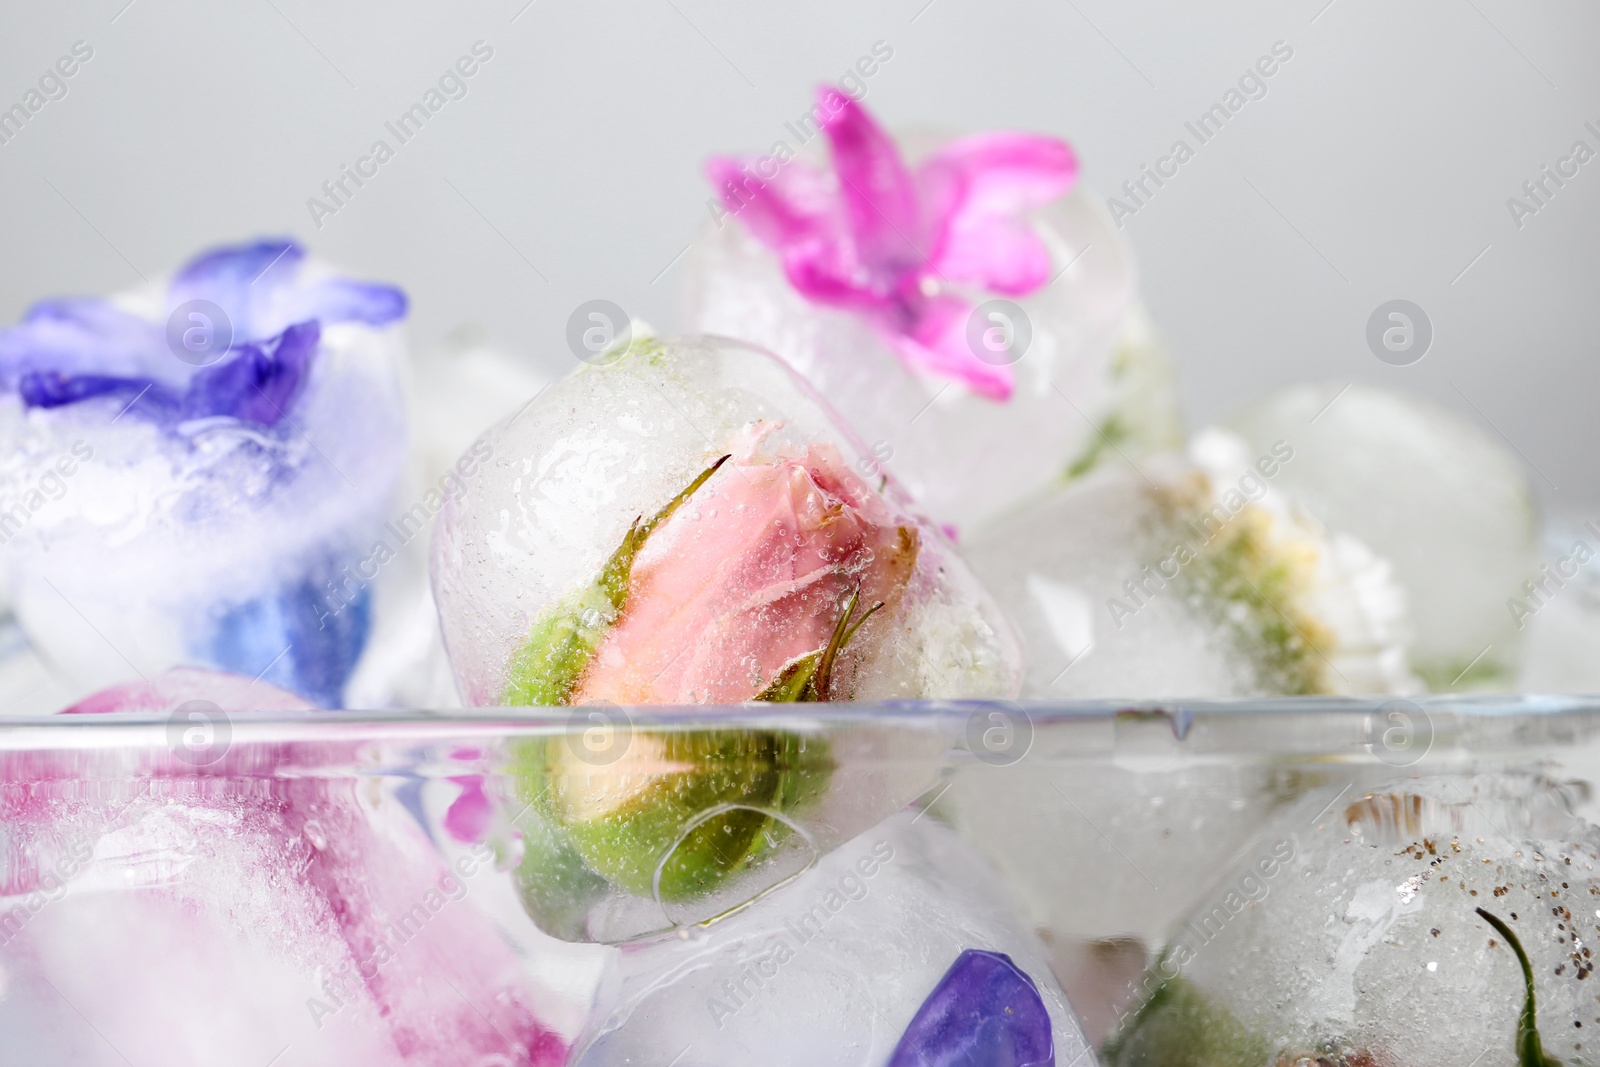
(605, 885)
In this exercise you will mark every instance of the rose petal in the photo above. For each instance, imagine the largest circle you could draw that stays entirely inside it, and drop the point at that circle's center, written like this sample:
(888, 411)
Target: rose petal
(753, 575)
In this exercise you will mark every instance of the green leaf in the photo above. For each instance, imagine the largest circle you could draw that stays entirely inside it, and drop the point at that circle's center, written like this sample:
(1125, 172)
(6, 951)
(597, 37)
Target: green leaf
(1530, 1050)
(561, 642)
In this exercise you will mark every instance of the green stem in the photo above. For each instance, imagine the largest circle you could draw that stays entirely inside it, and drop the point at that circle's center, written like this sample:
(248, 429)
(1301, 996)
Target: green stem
(1530, 1051)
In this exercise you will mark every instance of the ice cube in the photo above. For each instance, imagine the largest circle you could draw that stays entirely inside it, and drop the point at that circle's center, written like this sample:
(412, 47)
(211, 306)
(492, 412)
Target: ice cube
(610, 552)
(1445, 504)
(263, 900)
(196, 472)
(28, 686)
(1105, 850)
(1059, 567)
(1082, 366)
(849, 964)
(630, 830)
(1164, 580)
(1355, 933)
(457, 392)
(1560, 620)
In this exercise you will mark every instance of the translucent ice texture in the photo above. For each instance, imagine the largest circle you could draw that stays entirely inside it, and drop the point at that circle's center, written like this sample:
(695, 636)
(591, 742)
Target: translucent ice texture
(601, 506)
(165, 692)
(1445, 504)
(240, 911)
(846, 965)
(1351, 934)
(1170, 581)
(631, 830)
(194, 471)
(961, 451)
(1560, 620)
(456, 393)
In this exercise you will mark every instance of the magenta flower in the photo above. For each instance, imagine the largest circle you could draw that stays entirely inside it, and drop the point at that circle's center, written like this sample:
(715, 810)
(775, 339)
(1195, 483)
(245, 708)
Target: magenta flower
(899, 246)
(470, 814)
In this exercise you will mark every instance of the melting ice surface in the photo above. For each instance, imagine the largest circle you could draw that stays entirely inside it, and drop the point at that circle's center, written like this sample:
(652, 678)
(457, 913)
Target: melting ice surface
(197, 469)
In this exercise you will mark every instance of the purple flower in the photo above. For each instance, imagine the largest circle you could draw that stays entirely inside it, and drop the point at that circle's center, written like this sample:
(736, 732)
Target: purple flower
(985, 1012)
(898, 246)
(272, 314)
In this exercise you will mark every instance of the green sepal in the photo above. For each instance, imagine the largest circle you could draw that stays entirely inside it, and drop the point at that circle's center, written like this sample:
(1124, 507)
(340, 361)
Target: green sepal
(556, 887)
(563, 640)
(621, 820)
(793, 683)
(807, 678)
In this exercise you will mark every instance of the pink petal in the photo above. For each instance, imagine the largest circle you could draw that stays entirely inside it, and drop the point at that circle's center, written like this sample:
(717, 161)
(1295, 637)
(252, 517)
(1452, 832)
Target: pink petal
(823, 276)
(468, 818)
(999, 255)
(977, 191)
(230, 692)
(795, 205)
(880, 201)
(720, 602)
(998, 173)
(938, 343)
(796, 214)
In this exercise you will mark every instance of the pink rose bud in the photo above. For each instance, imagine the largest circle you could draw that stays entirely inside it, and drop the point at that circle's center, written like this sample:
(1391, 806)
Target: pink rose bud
(684, 521)
(755, 573)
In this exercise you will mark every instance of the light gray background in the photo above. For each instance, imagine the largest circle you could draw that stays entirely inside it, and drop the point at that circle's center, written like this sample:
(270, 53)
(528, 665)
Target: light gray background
(1378, 165)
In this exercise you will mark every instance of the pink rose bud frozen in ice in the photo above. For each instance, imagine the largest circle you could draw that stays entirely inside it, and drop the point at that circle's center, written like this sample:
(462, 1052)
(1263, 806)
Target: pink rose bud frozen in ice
(689, 523)
(768, 564)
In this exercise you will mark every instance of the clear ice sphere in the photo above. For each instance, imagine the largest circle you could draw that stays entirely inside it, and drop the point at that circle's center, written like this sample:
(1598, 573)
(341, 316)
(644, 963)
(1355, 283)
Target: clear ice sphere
(1170, 580)
(1447, 505)
(830, 968)
(618, 440)
(1092, 370)
(1350, 933)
